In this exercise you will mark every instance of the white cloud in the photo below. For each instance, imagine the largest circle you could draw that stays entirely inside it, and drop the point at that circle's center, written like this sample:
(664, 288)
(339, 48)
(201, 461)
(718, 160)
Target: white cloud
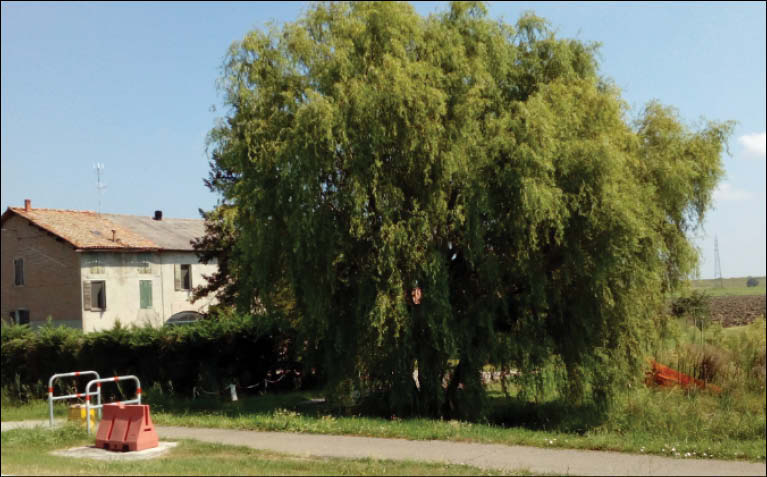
(754, 144)
(726, 192)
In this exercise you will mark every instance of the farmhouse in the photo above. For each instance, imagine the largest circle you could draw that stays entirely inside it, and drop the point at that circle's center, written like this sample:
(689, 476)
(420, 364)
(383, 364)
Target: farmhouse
(89, 270)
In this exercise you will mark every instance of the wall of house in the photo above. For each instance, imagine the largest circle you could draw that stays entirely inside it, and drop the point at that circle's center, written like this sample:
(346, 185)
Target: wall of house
(180, 300)
(122, 273)
(51, 275)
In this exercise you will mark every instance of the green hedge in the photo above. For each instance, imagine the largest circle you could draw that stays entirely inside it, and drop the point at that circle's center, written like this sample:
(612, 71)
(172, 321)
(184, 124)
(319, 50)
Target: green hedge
(208, 355)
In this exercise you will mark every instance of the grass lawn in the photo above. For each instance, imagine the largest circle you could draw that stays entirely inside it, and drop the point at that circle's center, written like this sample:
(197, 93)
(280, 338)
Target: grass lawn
(32, 411)
(26, 452)
(740, 291)
(662, 422)
(669, 422)
(653, 421)
(730, 286)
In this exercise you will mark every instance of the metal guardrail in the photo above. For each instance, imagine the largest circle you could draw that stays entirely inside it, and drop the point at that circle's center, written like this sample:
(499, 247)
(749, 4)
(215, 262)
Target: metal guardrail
(86, 395)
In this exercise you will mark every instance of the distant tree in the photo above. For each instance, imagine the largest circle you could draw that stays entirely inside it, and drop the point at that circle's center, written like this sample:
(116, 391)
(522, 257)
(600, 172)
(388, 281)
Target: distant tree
(752, 282)
(219, 246)
(695, 305)
(369, 153)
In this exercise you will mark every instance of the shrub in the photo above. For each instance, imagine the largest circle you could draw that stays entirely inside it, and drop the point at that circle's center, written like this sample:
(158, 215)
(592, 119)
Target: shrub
(694, 306)
(209, 354)
(752, 282)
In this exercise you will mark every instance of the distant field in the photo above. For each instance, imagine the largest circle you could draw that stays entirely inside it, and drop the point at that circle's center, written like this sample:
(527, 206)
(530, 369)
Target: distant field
(730, 286)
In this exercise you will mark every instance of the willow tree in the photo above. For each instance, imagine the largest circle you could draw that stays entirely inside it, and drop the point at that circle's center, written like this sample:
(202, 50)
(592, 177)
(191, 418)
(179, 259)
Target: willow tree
(369, 152)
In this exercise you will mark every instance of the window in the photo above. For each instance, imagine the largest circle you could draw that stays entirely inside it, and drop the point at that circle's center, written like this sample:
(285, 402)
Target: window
(182, 275)
(95, 262)
(145, 293)
(18, 272)
(20, 317)
(143, 263)
(95, 295)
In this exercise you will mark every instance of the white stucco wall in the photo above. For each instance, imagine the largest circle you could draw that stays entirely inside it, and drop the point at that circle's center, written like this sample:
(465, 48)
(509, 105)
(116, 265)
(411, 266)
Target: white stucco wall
(122, 276)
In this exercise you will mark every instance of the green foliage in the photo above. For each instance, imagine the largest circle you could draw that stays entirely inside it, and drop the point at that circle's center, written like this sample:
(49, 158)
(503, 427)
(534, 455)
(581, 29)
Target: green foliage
(746, 345)
(752, 282)
(210, 354)
(216, 247)
(369, 151)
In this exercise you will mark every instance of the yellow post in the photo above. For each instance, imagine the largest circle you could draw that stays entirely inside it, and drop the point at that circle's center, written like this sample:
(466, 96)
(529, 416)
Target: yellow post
(77, 413)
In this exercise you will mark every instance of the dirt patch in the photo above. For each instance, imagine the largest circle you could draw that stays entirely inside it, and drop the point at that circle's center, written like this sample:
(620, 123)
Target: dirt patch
(737, 310)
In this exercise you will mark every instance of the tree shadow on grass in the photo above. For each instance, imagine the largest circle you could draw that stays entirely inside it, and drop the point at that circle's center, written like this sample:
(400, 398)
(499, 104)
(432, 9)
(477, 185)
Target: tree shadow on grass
(556, 415)
(221, 404)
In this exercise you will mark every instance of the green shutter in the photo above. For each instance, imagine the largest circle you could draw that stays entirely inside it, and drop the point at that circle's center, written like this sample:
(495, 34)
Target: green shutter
(145, 289)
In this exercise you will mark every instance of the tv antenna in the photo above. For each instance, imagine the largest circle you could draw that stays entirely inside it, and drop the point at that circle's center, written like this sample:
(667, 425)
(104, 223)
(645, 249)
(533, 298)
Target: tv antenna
(100, 186)
(717, 263)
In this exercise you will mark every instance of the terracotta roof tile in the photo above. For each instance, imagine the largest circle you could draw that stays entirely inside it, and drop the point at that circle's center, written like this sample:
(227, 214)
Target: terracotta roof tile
(90, 230)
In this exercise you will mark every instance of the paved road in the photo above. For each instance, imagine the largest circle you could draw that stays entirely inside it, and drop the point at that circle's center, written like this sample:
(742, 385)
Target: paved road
(489, 456)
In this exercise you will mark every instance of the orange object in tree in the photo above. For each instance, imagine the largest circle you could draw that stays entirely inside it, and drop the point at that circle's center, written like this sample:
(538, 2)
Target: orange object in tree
(662, 375)
(416, 295)
(126, 428)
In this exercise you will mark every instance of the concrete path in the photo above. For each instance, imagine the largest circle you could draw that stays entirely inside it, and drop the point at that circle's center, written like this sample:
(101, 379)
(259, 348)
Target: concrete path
(8, 425)
(488, 456)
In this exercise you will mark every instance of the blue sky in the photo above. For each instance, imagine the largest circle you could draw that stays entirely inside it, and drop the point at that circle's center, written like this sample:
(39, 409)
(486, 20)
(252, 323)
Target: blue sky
(131, 85)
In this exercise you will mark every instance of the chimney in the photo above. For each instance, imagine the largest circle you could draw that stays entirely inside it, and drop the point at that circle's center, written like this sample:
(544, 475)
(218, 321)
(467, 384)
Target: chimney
(27, 205)
(113, 234)
(158, 214)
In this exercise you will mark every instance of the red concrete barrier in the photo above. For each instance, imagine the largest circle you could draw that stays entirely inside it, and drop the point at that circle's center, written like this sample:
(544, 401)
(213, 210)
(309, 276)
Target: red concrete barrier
(126, 428)
(662, 375)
